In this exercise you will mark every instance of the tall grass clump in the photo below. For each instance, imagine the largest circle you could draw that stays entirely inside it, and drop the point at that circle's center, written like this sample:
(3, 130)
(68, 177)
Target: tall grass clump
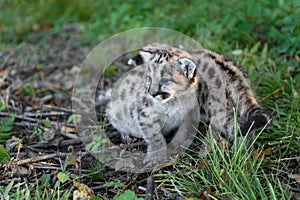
(225, 173)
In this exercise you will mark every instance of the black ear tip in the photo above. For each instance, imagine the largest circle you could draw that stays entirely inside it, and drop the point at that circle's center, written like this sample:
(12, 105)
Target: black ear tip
(138, 60)
(255, 122)
(260, 120)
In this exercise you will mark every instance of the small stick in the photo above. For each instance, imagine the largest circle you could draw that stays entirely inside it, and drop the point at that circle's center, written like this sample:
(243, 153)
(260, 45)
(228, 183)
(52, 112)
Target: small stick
(65, 143)
(40, 158)
(57, 168)
(2, 114)
(150, 188)
(67, 110)
(129, 184)
(51, 114)
(6, 181)
(56, 108)
(27, 124)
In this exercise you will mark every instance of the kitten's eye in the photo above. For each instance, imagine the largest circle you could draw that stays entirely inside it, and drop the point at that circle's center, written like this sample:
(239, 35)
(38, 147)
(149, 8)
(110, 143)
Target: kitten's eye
(164, 80)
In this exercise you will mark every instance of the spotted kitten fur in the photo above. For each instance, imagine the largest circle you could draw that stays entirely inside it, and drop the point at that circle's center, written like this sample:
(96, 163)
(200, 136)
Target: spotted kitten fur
(222, 87)
(154, 99)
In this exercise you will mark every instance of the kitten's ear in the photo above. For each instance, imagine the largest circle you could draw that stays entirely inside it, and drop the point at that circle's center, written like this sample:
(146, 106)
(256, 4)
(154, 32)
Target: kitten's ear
(187, 66)
(146, 56)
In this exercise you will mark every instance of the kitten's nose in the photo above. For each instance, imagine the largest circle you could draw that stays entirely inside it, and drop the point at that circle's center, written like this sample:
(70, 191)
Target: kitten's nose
(153, 91)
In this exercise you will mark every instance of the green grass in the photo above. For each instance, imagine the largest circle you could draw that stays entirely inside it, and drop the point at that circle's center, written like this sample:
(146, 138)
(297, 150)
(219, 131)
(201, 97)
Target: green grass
(225, 173)
(230, 23)
(34, 190)
(266, 32)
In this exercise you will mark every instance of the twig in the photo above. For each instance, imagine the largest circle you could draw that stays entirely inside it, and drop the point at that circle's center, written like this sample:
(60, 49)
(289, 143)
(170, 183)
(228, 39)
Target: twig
(6, 181)
(99, 187)
(68, 110)
(69, 135)
(56, 108)
(43, 115)
(2, 114)
(65, 143)
(47, 167)
(40, 158)
(57, 168)
(129, 184)
(150, 188)
(27, 124)
(29, 116)
(292, 158)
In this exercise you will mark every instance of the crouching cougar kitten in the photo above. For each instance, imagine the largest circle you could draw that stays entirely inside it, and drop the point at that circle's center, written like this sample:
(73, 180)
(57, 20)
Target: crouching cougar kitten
(222, 87)
(154, 99)
(172, 90)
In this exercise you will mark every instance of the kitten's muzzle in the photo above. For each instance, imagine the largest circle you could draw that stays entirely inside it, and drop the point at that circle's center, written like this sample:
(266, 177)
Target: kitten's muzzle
(156, 92)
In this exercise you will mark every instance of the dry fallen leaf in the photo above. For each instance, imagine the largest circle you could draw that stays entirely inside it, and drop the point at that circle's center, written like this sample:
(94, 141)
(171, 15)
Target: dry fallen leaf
(205, 195)
(67, 129)
(268, 151)
(83, 192)
(201, 164)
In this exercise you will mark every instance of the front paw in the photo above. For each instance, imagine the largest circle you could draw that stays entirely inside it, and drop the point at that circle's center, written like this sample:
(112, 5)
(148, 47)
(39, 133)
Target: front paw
(155, 158)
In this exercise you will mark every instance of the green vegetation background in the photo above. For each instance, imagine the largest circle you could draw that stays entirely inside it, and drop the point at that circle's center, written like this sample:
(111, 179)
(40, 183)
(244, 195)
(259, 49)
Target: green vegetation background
(216, 24)
(263, 36)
